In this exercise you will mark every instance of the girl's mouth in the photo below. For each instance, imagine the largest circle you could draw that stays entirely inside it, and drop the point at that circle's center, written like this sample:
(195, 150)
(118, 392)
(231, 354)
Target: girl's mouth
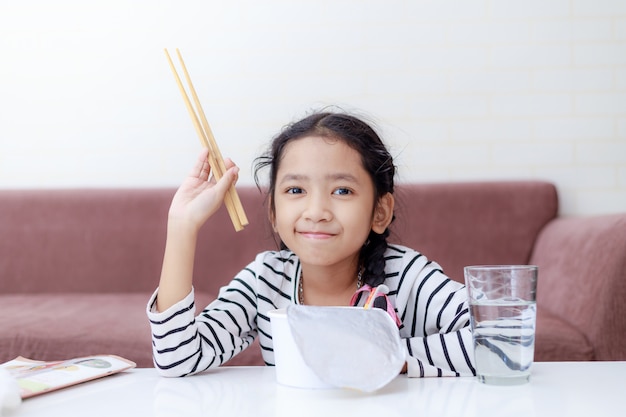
(316, 235)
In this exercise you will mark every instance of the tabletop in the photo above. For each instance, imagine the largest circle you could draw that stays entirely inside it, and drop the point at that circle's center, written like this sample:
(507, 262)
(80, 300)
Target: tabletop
(555, 388)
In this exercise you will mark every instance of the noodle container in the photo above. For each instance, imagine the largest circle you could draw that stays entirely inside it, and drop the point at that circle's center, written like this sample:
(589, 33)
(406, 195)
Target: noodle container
(291, 370)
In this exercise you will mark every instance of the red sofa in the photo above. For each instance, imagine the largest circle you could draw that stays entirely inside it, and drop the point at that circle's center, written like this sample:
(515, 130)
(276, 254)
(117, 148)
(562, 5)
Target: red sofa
(78, 266)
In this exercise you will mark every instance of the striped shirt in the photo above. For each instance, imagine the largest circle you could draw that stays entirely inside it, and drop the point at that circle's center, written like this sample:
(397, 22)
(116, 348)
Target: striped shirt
(433, 310)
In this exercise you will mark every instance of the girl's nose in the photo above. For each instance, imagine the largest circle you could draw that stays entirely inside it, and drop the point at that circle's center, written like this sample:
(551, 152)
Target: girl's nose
(317, 209)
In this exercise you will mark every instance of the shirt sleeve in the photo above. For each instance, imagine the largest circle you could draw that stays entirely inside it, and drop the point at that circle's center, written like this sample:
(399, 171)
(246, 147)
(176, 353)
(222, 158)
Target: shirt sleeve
(184, 343)
(442, 354)
(435, 322)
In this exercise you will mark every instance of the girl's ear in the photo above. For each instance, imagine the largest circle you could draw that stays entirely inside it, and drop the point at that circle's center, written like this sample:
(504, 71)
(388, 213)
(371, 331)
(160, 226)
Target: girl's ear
(271, 214)
(383, 213)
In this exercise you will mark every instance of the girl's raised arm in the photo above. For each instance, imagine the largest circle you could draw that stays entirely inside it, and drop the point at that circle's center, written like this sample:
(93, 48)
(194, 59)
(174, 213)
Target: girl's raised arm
(197, 199)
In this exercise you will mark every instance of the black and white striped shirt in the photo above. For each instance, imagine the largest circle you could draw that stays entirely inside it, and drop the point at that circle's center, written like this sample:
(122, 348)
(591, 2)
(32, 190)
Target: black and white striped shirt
(433, 310)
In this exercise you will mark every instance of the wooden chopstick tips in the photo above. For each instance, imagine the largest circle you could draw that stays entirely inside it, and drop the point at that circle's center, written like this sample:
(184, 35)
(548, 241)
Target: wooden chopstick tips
(231, 200)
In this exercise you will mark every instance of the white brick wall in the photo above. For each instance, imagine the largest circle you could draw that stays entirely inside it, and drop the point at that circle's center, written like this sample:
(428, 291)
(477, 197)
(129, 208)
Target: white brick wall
(461, 90)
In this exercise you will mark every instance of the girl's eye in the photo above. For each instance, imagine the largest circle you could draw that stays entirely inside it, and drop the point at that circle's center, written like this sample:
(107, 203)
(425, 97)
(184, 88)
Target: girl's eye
(342, 191)
(294, 190)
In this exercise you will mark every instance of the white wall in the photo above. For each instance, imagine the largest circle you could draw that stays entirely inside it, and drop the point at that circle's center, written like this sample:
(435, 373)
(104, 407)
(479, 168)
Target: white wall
(461, 90)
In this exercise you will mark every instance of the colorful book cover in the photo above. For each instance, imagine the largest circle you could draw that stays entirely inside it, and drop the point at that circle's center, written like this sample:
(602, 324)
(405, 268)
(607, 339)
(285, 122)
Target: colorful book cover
(38, 377)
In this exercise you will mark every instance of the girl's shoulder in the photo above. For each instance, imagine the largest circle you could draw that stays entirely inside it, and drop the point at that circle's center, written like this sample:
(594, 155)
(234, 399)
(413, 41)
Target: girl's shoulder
(401, 258)
(400, 252)
(406, 268)
(279, 262)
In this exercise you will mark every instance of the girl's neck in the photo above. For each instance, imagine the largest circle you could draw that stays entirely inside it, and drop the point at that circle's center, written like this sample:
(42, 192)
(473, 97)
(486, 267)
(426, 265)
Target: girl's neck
(330, 286)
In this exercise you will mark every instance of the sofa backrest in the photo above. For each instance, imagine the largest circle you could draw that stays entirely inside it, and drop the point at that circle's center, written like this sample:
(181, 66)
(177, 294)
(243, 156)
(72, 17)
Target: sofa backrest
(112, 240)
(473, 223)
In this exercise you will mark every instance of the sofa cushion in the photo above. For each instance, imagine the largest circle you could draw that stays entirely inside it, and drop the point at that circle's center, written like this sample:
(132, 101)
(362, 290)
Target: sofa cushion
(557, 340)
(582, 277)
(65, 326)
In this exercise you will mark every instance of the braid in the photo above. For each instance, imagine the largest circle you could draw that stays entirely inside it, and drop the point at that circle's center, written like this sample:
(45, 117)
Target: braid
(372, 258)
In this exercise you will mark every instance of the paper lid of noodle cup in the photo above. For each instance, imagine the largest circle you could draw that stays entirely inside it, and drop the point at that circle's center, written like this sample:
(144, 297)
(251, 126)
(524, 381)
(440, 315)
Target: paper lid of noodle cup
(348, 347)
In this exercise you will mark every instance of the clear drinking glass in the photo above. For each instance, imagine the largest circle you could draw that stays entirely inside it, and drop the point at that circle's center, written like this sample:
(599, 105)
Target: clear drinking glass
(502, 301)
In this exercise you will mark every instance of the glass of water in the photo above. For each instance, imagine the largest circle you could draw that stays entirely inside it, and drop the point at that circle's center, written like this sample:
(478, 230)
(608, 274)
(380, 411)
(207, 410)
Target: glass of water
(502, 300)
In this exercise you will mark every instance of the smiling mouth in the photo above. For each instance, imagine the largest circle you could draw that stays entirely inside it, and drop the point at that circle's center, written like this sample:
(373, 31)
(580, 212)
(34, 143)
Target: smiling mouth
(316, 235)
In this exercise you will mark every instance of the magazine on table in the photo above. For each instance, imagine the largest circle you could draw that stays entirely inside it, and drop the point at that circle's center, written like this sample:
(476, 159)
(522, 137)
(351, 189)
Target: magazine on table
(38, 377)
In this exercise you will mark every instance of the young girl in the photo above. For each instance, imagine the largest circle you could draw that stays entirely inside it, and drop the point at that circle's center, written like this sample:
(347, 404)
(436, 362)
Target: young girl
(331, 203)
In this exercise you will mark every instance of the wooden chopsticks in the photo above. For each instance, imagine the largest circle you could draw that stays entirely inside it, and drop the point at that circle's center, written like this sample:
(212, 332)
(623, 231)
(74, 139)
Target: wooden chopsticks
(233, 204)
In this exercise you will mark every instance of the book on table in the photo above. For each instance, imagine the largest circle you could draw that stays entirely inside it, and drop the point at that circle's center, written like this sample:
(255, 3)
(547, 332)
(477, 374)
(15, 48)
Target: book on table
(38, 377)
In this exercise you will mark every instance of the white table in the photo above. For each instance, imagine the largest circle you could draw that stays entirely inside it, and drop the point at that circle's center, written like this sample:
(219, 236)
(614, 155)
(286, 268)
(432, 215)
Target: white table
(556, 389)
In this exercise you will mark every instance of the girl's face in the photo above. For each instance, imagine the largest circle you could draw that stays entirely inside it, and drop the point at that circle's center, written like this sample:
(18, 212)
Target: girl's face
(324, 201)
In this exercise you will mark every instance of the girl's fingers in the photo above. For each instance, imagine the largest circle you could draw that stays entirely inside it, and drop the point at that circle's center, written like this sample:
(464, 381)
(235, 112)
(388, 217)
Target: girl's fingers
(202, 165)
(206, 171)
(202, 168)
(229, 178)
(228, 163)
(232, 170)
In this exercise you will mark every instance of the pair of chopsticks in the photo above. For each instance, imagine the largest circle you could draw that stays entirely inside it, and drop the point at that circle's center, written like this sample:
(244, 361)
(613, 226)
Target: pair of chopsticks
(233, 204)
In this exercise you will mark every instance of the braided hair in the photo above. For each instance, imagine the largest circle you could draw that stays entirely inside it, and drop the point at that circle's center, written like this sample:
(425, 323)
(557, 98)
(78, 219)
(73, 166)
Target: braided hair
(376, 160)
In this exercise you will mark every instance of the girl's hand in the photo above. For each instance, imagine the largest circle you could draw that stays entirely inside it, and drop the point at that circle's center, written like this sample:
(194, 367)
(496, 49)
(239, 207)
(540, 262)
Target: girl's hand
(200, 195)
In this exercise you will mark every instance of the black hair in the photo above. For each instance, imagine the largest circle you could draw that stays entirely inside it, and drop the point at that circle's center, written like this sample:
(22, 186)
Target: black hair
(376, 160)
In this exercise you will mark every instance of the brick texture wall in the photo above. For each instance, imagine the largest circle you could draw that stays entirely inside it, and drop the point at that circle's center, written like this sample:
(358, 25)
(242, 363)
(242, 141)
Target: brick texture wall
(461, 90)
